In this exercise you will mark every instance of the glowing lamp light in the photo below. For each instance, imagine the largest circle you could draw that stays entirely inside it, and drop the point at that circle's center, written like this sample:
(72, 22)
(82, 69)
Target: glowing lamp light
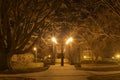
(113, 57)
(69, 40)
(117, 56)
(34, 48)
(54, 40)
(84, 57)
(49, 56)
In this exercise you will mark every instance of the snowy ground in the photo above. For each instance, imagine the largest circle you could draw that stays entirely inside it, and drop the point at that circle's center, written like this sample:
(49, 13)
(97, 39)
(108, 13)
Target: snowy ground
(56, 72)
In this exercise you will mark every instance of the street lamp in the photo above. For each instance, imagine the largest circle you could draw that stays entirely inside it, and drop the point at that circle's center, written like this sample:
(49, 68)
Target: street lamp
(35, 49)
(54, 42)
(69, 40)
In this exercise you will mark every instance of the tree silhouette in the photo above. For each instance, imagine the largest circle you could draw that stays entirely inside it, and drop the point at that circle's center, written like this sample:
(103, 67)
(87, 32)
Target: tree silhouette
(20, 20)
(96, 20)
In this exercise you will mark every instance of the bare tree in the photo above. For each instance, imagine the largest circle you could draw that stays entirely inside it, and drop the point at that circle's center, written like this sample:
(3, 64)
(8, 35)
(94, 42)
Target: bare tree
(96, 20)
(20, 19)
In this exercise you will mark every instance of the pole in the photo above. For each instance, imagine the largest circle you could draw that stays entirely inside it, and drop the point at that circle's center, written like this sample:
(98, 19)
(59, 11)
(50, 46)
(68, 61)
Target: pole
(62, 55)
(53, 53)
(36, 56)
(70, 57)
(71, 54)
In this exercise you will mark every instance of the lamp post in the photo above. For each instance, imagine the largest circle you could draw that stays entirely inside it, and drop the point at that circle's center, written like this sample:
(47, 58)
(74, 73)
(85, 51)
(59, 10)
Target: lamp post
(53, 49)
(35, 49)
(68, 42)
(62, 54)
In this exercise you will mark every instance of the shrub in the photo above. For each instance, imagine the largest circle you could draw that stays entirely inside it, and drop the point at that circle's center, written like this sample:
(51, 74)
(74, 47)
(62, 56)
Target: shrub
(23, 58)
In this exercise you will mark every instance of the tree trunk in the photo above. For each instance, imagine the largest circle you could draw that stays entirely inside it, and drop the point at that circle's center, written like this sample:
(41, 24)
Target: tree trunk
(9, 61)
(5, 61)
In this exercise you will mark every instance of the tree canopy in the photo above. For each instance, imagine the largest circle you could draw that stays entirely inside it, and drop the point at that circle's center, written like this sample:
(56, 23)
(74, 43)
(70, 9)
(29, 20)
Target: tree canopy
(97, 21)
